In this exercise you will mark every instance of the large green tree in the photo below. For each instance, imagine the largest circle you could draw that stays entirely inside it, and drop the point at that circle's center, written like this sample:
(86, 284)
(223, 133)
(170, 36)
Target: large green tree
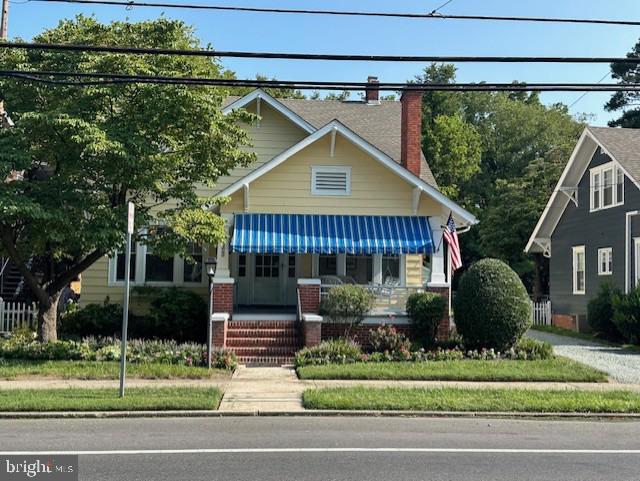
(523, 145)
(86, 151)
(626, 102)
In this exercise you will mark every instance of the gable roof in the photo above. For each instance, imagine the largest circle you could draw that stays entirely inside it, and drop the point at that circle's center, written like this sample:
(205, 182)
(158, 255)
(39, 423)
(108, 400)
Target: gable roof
(622, 145)
(379, 124)
(366, 146)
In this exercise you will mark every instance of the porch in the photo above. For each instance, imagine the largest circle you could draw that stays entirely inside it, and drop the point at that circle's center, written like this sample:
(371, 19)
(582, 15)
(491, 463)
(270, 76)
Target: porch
(279, 267)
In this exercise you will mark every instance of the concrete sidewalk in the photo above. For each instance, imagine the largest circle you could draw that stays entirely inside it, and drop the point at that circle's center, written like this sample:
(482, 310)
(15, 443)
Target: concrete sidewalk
(263, 389)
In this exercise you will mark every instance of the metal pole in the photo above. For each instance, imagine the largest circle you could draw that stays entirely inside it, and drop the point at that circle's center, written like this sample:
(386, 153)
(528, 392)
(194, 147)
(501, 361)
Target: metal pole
(5, 20)
(125, 307)
(209, 341)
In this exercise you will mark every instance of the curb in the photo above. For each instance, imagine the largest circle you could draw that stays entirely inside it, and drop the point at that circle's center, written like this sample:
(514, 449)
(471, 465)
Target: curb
(318, 413)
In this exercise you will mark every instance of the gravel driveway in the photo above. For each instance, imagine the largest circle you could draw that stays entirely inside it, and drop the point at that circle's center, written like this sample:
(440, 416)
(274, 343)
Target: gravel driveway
(621, 365)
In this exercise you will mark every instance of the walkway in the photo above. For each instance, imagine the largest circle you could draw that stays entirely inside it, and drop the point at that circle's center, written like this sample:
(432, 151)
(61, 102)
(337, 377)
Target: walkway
(263, 389)
(620, 364)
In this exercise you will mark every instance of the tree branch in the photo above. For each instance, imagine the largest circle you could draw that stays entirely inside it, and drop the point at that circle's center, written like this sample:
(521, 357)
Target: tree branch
(29, 278)
(69, 275)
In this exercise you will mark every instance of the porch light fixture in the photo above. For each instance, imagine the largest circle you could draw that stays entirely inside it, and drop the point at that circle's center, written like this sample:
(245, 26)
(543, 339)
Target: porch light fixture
(210, 268)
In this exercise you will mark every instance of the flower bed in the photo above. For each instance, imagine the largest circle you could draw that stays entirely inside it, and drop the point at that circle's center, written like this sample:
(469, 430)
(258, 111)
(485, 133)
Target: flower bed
(25, 346)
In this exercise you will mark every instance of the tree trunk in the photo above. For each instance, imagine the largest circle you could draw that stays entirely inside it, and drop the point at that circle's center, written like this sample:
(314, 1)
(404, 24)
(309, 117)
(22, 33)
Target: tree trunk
(48, 319)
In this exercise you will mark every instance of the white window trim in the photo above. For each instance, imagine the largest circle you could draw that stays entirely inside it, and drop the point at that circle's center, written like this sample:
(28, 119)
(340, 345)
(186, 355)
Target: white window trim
(330, 168)
(574, 269)
(636, 261)
(614, 190)
(608, 252)
(140, 251)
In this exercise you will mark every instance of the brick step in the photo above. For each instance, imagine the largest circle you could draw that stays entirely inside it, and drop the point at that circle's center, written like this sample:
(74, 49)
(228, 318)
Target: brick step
(262, 325)
(266, 360)
(262, 333)
(280, 341)
(262, 351)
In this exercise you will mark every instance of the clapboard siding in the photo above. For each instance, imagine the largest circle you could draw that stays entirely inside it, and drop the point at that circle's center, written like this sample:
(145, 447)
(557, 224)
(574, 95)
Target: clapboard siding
(594, 230)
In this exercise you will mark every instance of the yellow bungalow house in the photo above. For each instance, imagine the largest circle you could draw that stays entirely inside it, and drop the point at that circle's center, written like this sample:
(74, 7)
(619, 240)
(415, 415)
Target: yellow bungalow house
(340, 192)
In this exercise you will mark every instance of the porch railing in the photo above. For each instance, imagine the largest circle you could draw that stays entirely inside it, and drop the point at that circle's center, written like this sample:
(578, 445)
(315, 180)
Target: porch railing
(16, 315)
(541, 312)
(388, 299)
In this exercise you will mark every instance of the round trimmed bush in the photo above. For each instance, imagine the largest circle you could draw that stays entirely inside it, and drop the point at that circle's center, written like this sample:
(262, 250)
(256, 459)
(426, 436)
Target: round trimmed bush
(492, 308)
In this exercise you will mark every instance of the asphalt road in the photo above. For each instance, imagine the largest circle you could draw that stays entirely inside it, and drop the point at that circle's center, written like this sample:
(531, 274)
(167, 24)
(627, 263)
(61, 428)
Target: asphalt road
(305, 449)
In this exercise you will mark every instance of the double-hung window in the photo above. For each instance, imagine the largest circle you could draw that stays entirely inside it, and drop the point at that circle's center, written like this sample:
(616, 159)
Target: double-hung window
(606, 186)
(605, 261)
(579, 273)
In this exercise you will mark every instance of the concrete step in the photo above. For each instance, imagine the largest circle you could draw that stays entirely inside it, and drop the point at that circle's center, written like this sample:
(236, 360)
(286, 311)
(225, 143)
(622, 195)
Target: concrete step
(266, 360)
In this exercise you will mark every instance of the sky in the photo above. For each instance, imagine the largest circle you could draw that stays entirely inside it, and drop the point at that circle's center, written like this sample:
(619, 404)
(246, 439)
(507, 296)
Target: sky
(355, 35)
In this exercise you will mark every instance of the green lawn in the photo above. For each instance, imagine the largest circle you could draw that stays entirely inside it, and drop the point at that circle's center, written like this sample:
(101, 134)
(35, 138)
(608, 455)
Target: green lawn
(458, 399)
(558, 369)
(136, 399)
(18, 368)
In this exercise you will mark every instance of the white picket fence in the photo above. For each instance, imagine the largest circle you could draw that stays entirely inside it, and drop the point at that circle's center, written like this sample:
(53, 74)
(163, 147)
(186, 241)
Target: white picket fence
(14, 315)
(541, 313)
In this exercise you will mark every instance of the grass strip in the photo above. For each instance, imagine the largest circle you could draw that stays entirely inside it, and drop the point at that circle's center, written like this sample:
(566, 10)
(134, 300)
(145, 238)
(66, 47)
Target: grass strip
(18, 368)
(459, 399)
(558, 369)
(135, 399)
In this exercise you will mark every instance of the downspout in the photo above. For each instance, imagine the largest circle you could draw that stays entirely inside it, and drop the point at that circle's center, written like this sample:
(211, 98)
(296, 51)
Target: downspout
(627, 245)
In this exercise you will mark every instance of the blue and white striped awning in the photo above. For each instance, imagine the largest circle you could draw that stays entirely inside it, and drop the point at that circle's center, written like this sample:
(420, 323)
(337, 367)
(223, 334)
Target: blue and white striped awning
(331, 234)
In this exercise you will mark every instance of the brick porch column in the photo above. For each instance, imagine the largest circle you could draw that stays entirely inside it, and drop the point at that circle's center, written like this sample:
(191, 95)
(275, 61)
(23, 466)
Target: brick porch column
(445, 325)
(309, 294)
(309, 307)
(221, 309)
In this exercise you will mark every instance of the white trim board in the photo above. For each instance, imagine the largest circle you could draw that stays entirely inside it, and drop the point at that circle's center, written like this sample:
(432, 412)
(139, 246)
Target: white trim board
(370, 149)
(261, 95)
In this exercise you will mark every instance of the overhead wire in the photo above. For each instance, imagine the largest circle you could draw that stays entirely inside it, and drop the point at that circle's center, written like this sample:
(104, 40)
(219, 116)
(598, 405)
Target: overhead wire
(309, 56)
(351, 13)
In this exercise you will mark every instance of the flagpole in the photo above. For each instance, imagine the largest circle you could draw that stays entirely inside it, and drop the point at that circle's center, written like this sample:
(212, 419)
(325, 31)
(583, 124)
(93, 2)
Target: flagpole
(451, 322)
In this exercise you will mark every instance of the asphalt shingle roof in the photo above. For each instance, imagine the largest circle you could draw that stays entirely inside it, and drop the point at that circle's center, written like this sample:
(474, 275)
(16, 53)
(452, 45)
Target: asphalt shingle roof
(623, 144)
(379, 124)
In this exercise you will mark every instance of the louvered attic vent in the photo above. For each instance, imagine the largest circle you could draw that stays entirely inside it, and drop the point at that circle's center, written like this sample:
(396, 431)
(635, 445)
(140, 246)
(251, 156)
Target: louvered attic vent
(331, 180)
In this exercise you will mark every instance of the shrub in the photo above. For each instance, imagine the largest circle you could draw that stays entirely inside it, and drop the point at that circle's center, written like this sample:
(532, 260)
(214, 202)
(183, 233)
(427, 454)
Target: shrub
(178, 314)
(388, 339)
(92, 320)
(626, 315)
(335, 351)
(426, 310)
(492, 308)
(347, 304)
(531, 350)
(600, 313)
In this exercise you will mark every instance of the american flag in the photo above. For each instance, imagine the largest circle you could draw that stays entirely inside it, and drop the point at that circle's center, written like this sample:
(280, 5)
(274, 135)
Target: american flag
(451, 236)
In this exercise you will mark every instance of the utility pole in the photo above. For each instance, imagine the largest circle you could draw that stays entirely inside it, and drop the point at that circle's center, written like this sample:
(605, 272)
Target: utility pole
(4, 22)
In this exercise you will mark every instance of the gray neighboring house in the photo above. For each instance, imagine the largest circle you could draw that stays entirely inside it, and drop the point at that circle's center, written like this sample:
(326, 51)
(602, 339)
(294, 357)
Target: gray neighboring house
(590, 228)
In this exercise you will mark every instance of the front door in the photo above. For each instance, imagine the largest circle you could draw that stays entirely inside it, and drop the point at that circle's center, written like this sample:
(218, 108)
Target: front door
(266, 279)
(267, 284)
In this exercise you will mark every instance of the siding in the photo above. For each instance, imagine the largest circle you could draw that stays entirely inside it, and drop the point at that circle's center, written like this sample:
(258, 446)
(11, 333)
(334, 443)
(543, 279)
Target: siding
(414, 270)
(375, 190)
(577, 226)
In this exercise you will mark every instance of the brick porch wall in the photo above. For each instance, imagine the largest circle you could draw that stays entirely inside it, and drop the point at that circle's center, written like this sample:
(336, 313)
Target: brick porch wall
(361, 333)
(309, 298)
(444, 326)
(222, 298)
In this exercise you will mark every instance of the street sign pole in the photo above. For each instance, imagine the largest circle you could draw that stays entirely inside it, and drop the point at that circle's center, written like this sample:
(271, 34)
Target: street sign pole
(125, 307)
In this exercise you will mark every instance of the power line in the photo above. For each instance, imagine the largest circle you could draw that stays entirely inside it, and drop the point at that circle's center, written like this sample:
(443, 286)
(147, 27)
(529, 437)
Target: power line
(311, 56)
(435, 10)
(131, 4)
(97, 78)
(586, 93)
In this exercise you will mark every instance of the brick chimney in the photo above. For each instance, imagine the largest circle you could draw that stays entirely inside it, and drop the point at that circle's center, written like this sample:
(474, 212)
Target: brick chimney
(411, 131)
(372, 90)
